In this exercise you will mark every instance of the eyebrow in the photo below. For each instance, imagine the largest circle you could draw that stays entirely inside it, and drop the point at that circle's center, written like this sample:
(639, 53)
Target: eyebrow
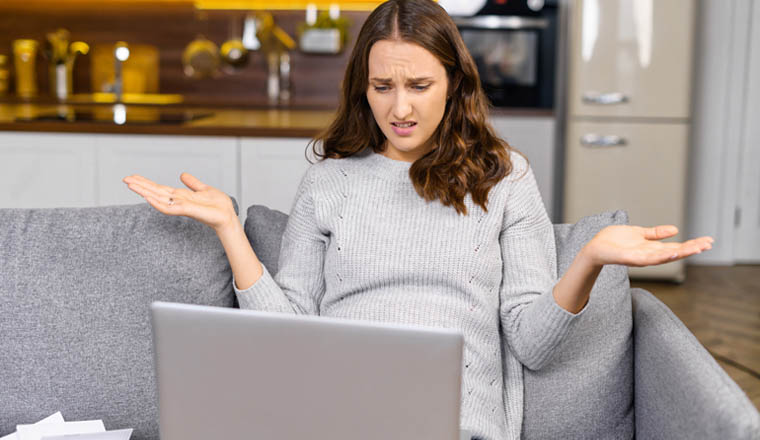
(411, 80)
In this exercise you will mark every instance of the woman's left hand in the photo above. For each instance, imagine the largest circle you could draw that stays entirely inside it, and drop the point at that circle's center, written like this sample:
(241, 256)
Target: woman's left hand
(638, 246)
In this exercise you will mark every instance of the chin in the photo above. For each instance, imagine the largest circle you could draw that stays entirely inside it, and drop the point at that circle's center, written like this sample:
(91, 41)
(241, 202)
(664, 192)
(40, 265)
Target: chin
(405, 145)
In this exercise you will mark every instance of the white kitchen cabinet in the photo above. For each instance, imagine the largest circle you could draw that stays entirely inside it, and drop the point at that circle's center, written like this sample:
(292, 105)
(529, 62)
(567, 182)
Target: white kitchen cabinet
(162, 159)
(271, 170)
(644, 174)
(533, 136)
(638, 49)
(629, 114)
(47, 170)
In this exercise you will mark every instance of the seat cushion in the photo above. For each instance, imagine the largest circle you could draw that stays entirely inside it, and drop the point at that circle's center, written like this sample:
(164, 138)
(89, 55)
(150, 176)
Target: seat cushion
(75, 290)
(586, 389)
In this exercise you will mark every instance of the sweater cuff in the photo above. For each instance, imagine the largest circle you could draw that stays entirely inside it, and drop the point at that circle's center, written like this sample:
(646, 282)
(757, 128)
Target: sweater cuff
(554, 316)
(555, 324)
(264, 295)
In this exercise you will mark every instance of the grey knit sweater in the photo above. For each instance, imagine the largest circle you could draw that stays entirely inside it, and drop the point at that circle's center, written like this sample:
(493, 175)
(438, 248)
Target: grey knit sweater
(360, 243)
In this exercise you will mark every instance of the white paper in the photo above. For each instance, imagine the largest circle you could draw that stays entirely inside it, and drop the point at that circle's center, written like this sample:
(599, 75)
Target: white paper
(37, 431)
(55, 418)
(120, 434)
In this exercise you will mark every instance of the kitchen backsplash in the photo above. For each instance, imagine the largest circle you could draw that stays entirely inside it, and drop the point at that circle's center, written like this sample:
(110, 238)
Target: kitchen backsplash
(169, 27)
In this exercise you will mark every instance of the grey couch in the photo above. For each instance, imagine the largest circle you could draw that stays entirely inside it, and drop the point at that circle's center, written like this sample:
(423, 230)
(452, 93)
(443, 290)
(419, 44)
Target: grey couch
(76, 284)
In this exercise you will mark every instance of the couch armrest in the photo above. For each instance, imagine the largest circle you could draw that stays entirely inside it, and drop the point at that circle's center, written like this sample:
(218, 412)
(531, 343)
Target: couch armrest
(680, 391)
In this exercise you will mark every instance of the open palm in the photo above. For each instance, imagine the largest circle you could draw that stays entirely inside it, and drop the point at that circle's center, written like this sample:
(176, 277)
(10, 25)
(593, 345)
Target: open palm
(639, 246)
(201, 202)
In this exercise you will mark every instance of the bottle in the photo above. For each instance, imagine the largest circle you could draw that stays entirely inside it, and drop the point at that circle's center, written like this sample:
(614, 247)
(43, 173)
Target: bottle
(4, 75)
(24, 61)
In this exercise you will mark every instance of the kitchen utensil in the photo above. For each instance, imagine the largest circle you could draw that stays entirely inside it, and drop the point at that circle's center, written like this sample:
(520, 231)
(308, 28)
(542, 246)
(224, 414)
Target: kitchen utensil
(233, 52)
(200, 58)
(61, 56)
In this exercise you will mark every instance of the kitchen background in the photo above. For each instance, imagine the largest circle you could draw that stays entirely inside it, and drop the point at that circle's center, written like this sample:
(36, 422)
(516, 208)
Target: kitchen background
(642, 105)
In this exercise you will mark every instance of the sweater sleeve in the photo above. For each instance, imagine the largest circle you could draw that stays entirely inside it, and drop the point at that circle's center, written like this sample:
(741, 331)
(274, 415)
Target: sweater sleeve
(532, 321)
(299, 284)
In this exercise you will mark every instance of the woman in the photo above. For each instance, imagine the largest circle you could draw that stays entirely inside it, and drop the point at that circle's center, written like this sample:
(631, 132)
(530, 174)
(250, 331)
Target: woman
(418, 214)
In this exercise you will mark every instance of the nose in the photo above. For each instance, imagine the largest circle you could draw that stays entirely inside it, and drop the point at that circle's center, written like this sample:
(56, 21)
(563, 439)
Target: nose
(402, 106)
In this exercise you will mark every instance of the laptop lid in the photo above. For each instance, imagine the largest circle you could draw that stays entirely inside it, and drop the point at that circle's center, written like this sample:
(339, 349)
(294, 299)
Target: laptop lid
(242, 374)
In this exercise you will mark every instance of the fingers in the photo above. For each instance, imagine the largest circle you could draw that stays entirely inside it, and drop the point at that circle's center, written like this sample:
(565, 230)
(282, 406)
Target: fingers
(688, 248)
(660, 232)
(150, 191)
(158, 196)
(192, 182)
(149, 184)
(696, 246)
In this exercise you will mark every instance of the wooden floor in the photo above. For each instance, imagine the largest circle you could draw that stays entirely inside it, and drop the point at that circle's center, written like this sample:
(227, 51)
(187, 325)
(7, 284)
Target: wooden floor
(721, 306)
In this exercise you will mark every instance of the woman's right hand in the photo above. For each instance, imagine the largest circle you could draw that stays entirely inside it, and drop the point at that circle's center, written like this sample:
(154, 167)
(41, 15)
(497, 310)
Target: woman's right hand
(201, 202)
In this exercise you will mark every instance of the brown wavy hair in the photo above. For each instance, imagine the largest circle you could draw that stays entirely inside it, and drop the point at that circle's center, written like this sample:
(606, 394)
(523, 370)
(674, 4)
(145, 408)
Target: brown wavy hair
(468, 156)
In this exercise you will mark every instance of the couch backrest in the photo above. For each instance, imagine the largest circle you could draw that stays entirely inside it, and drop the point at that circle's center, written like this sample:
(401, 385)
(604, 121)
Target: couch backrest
(75, 290)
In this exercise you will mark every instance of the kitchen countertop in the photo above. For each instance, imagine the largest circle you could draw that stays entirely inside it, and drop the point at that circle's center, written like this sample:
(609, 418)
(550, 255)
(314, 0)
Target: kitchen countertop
(180, 120)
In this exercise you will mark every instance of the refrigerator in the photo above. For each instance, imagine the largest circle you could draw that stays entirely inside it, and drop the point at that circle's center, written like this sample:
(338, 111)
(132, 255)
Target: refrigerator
(629, 114)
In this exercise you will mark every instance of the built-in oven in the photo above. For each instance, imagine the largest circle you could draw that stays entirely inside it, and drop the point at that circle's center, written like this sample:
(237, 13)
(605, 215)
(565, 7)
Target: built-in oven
(513, 43)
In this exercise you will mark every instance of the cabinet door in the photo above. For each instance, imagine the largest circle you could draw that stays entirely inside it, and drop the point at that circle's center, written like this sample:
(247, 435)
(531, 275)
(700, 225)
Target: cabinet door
(534, 137)
(162, 159)
(646, 177)
(271, 170)
(46, 170)
(641, 49)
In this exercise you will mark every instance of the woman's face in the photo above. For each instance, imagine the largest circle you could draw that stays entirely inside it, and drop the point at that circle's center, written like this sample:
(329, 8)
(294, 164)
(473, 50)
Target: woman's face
(407, 94)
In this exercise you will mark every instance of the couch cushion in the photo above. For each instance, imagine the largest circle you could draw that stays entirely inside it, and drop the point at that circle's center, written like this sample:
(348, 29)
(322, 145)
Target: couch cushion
(586, 390)
(264, 228)
(75, 290)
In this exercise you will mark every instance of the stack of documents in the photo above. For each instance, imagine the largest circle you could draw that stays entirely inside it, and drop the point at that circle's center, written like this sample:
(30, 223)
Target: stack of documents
(55, 428)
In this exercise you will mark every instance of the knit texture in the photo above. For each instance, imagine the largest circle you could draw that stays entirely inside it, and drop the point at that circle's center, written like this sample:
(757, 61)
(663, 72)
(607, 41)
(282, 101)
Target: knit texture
(360, 243)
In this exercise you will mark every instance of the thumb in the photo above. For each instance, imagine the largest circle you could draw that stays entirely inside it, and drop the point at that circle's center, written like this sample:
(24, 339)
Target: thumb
(660, 232)
(192, 182)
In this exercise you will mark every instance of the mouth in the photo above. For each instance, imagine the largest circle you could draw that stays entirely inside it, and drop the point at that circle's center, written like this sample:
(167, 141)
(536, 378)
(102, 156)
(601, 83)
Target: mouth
(403, 128)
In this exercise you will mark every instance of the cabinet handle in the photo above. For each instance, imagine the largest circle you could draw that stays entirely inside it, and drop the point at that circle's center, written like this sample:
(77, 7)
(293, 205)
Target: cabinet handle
(604, 98)
(511, 22)
(594, 140)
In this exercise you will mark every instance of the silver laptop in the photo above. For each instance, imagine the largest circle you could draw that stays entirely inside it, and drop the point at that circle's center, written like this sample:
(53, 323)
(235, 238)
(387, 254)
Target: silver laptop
(241, 374)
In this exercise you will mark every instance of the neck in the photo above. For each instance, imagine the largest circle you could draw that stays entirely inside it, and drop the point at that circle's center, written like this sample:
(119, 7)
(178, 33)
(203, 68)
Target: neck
(410, 156)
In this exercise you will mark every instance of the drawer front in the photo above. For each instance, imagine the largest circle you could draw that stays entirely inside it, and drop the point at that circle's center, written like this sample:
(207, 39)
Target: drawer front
(639, 168)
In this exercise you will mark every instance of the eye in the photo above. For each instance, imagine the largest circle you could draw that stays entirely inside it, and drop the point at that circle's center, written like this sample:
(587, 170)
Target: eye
(381, 88)
(420, 88)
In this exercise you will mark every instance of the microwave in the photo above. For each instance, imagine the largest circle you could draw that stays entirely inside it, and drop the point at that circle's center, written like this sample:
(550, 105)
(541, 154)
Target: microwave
(514, 44)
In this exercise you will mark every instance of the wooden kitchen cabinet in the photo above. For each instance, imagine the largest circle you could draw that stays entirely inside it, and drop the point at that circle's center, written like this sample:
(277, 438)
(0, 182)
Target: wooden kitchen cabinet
(44, 170)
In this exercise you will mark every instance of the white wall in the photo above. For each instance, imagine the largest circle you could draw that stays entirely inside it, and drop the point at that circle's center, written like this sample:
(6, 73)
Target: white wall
(721, 121)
